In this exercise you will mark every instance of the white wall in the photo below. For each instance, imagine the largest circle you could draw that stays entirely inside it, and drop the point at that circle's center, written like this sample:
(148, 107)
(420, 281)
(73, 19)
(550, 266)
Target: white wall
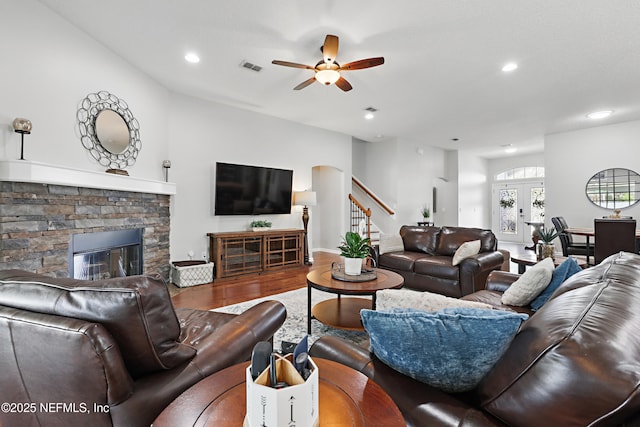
(48, 67)
(572, 158)
(203, 133)
(447, 191)
(402, 174)
(474, 191)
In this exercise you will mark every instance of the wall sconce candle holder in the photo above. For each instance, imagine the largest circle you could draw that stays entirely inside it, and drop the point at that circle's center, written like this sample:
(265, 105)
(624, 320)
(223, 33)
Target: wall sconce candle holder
(166, 164)
(22, 126)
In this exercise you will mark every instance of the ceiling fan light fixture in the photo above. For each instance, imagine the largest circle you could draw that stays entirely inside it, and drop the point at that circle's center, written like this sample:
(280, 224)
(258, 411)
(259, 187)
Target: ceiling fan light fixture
(327, 77)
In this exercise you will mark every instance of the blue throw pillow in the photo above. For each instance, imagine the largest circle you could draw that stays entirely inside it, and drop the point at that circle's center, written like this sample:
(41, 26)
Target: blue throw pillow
(561, 273)
(451, 349)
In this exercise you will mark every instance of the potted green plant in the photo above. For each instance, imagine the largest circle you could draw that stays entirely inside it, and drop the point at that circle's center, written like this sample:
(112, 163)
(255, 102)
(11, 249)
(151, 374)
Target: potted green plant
(425, 212)
(354, 248)
(260, 225)
(546, 237)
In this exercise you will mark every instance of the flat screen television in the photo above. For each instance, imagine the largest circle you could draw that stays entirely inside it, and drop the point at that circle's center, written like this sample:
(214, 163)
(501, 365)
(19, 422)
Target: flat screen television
(252, 190)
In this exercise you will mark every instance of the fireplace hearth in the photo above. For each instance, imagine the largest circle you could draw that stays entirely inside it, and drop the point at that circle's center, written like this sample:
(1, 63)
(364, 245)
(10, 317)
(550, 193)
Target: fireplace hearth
(103, 255)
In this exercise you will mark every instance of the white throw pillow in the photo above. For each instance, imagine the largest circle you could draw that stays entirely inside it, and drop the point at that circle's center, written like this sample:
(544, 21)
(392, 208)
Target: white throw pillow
(530, 284)
(466, 250)
(406, 298)
(390, 243)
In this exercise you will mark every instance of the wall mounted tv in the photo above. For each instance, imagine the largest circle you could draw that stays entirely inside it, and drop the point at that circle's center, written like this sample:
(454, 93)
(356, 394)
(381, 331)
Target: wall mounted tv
(252, 190)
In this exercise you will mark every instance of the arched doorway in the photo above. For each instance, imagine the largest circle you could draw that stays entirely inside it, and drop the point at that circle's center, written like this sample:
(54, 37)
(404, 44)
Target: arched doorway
(330, 217)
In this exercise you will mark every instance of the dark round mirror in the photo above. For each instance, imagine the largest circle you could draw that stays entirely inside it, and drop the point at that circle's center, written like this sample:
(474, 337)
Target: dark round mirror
(614, 188)
(112, 131)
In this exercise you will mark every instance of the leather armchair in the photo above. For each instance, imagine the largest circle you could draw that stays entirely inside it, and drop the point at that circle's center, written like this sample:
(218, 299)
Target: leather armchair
(111, 352)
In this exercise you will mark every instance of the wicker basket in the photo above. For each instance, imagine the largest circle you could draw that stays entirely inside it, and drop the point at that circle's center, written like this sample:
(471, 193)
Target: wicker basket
(191, 273)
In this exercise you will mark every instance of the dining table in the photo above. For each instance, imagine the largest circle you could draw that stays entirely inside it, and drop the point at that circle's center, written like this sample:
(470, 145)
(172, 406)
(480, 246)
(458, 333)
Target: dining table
(588, 233)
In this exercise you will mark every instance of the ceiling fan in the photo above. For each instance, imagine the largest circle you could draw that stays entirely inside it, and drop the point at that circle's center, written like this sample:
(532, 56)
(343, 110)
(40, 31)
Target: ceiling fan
(327, 70)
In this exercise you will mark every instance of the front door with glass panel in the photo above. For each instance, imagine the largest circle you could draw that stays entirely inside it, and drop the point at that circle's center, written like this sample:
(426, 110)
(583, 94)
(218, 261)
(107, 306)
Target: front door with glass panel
(513, 206)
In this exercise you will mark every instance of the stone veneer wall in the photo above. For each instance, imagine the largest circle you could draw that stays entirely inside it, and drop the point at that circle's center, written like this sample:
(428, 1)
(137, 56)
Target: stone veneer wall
(37, 221)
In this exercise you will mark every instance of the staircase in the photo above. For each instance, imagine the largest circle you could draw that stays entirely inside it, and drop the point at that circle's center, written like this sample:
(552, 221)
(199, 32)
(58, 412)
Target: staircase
(360, 216)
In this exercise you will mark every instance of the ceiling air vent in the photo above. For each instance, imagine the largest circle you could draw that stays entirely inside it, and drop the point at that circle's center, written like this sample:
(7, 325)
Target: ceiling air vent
(250, 66)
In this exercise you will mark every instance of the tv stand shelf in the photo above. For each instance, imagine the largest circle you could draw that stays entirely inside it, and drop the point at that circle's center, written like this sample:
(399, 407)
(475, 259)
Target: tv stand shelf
(244, 252)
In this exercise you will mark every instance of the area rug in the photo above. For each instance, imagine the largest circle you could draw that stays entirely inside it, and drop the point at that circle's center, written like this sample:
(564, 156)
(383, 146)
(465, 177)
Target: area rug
(295, 326)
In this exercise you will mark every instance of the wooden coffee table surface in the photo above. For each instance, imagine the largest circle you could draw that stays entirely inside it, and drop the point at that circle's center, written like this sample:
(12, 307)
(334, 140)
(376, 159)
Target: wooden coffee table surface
(347, 398)
(344, 313)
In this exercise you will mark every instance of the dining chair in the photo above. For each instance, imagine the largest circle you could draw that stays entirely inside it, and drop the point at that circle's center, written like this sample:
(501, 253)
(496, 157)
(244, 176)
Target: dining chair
(613, 236)
(569, 246)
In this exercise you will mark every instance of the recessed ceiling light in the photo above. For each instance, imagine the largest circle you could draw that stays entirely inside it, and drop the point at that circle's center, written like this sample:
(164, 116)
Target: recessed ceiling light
(509, 67)
(509, 148)
(369, 113)
(600, 114)
(192, 58)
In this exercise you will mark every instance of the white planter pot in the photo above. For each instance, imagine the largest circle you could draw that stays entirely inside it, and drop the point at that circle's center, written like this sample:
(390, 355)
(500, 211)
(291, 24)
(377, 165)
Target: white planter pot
(352, 266)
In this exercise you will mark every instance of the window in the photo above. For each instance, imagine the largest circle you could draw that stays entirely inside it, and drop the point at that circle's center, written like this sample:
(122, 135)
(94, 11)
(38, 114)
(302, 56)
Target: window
(525, 172)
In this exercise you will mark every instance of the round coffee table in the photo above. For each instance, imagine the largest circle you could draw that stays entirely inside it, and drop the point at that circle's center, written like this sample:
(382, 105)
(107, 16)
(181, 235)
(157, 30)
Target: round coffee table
(525, 259)
(344, 313)
(346, 398)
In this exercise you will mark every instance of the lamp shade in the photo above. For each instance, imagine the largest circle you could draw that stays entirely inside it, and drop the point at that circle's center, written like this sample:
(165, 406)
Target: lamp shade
(304, 198)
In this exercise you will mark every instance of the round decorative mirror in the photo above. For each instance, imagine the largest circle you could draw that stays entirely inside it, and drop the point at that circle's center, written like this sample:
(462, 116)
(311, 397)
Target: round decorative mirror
(614, 188)
(112, 131)
(108, 130)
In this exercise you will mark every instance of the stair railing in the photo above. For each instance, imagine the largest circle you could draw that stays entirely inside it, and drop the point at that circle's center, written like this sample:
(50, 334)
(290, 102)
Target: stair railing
(359, 214)
(373, 197)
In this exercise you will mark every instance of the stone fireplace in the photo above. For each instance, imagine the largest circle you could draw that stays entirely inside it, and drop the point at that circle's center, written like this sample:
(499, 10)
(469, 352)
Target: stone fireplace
(39, 219)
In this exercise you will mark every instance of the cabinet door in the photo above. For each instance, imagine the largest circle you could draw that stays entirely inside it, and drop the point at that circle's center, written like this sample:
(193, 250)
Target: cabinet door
(239, 255)
(283, 250)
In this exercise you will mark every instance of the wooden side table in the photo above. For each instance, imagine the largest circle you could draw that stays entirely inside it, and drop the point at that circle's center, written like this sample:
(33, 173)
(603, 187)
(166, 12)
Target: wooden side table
(347, 398)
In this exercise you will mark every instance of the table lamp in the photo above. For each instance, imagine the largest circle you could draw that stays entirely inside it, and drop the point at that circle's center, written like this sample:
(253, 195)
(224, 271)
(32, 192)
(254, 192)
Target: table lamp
(306, 199)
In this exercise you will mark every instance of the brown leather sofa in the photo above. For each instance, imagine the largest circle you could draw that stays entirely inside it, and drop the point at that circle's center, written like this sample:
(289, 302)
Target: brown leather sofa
(574, 362)
(111, 352)
(426, 261)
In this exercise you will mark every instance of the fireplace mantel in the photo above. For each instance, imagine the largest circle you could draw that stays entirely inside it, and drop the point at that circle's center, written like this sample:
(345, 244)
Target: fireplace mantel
(36, 172)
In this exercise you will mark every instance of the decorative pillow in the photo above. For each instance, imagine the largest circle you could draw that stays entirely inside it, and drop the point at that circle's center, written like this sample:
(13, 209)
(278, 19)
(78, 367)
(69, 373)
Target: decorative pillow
(388, 299)
(466, 250)
(451, 349)
(530, 284)
(390, 243)
(561, 273)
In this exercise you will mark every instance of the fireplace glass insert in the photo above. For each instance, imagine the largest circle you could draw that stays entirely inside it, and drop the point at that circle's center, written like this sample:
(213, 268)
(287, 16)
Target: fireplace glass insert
(96, 256)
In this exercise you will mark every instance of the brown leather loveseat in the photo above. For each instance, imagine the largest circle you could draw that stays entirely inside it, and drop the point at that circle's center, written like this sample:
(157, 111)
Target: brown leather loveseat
(574, 362)
(426, 261)
(111, 352)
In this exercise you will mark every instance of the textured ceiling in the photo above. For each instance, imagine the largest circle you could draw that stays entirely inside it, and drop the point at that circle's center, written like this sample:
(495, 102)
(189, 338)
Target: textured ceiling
(442, 77)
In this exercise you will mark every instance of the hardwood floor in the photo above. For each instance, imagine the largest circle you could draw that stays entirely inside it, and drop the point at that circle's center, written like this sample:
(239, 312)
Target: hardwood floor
(243, 288)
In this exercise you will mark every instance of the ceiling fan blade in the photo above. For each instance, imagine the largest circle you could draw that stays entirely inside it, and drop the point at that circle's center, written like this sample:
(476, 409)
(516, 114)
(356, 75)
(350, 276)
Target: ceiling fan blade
(363, 63)
(330, 49)
(343, 84)
(292, 64)
(305, 83)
